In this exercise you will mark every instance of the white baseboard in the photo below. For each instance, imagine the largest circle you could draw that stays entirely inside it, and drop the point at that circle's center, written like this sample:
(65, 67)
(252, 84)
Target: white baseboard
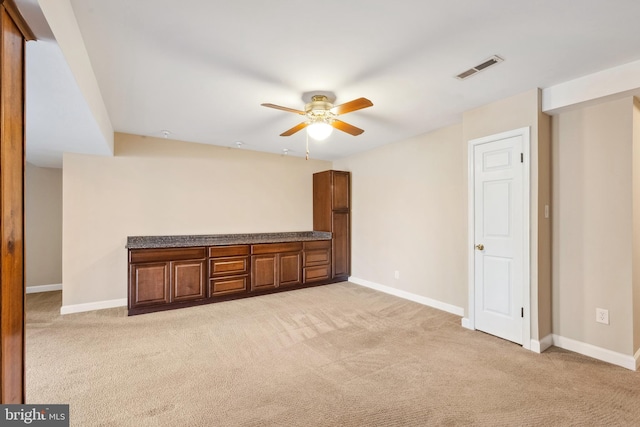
(458, 311)
(91, 306)
(542, 345)
(466, 323)
(629, 362)
(43, 288)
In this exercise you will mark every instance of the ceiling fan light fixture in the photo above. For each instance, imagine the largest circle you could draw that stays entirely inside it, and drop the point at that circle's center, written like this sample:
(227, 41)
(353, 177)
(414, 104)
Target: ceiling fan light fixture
(319, 130)
(322, 117)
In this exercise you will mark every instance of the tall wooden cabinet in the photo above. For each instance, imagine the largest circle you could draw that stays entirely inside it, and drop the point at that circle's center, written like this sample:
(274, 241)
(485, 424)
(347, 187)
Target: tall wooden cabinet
(13, 32)
(332, 212)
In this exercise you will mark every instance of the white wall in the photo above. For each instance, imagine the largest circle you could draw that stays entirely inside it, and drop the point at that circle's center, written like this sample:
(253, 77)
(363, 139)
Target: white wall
(43, 226)
(161, 187)
(409, 213)
(61, 19)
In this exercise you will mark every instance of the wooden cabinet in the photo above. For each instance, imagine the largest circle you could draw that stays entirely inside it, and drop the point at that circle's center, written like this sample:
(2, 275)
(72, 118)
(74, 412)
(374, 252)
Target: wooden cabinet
(228, 270)
(187, 280)
(332, 212)
(276, 264)
(289, 269)
(163, 276)
(340, 222)
(161, 279)
(340, 197)
(316, 261)
(264, 272)
(149, 284)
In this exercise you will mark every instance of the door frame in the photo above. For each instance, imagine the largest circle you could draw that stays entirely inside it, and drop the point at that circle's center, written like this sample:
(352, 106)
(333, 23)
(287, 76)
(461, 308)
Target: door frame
(525, 133)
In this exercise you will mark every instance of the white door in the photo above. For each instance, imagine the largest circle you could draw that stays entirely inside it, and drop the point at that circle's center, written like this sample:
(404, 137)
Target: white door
(499, 236)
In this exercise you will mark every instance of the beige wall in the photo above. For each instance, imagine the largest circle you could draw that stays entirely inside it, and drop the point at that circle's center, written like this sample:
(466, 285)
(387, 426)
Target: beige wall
(592, 227)
(516, 112)
(43, 226)
(409, 214)
(545, 232)
(506, 114)
(410, 207)
(636, 225)
(161, 187)
(409, 211)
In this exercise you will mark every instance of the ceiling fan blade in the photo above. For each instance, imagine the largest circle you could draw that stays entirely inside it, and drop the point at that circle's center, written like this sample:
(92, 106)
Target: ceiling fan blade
(346, 127)
(347, 107)
(278, 107)
(294, 129)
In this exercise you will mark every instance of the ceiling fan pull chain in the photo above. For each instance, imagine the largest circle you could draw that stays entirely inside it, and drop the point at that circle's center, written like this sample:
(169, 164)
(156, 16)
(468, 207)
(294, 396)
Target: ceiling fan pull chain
(307, 156)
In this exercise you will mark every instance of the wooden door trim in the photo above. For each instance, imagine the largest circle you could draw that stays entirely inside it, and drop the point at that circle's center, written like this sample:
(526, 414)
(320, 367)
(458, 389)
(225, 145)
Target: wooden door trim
(18, 19)
(469, 321)
(12, 286)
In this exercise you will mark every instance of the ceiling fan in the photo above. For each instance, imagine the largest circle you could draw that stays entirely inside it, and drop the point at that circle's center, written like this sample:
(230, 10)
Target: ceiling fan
(322, 116)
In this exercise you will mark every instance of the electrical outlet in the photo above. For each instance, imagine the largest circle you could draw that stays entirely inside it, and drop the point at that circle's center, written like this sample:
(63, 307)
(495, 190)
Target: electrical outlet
(602, 316)
(396, 274)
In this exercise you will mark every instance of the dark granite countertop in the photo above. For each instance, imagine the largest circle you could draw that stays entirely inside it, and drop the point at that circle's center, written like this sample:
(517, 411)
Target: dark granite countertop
(155, 242)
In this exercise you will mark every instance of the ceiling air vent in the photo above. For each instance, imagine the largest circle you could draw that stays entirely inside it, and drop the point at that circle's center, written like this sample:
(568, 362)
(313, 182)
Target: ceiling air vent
(484, 65)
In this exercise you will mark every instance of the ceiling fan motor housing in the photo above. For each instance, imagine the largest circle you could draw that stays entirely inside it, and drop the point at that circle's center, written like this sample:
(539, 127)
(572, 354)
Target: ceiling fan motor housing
(319, 108)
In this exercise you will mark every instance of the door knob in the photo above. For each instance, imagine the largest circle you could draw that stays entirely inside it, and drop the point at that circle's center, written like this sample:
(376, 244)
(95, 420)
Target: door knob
(480, 247)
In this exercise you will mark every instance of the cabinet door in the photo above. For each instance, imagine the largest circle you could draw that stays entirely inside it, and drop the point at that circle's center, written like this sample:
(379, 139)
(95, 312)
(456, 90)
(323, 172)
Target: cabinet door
(263, 271)
(188, 280)
(290, 269)
(322, 201)
(341, 261)
(148, 284)
(340, 190)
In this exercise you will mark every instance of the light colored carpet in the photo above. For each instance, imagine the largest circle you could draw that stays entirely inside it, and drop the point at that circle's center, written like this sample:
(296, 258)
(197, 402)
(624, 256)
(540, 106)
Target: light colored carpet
(336, 355)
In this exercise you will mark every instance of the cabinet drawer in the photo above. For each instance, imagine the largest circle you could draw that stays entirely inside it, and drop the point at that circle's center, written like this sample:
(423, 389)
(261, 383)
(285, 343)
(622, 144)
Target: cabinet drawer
(228, 285)
(173, 254)
(317, 257)
(228, 266)
(226, 251)
(317, 244)
(272, 248)
(313, 274)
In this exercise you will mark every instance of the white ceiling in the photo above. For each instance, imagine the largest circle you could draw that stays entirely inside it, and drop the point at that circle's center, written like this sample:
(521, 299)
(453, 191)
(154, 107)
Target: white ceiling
(201, 68)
